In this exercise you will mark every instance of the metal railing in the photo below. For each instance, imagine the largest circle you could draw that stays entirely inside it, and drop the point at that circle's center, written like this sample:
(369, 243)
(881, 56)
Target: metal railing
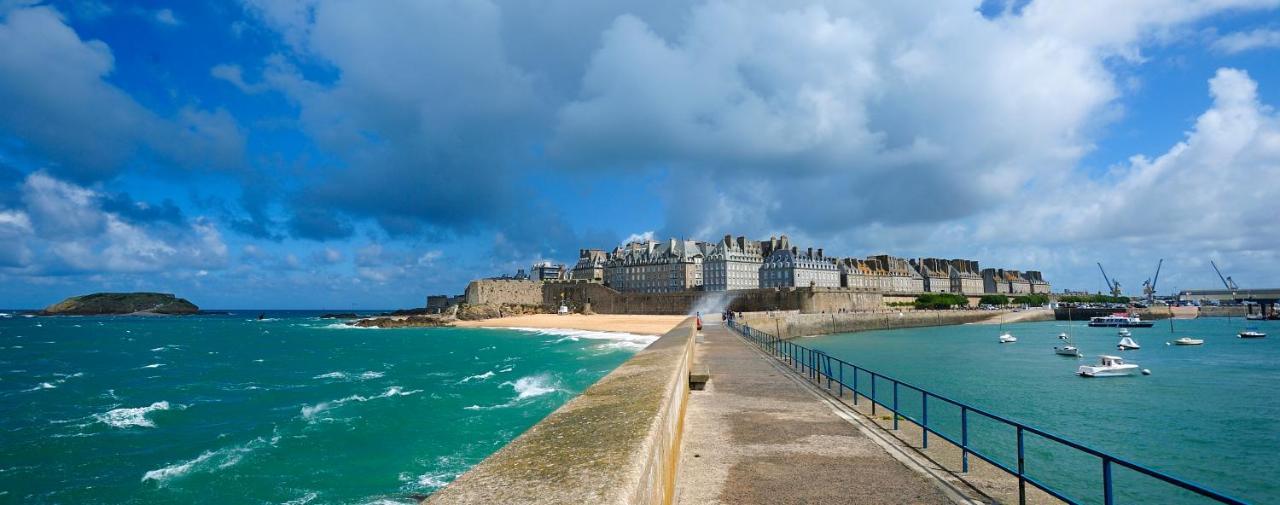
(818, 367)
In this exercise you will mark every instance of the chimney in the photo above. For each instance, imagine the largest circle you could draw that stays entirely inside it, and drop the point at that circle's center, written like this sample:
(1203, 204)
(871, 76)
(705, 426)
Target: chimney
(809, 251)
(819, 252)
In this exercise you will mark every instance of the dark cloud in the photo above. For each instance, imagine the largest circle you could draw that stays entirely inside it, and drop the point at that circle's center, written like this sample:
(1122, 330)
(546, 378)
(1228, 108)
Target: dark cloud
(136, 211)
(318, 223)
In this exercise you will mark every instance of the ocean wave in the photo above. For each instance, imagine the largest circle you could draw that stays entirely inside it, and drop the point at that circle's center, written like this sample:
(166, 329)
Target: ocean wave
(302, 500)
(525, 388)
(209, 461)
(371, 375)
(126, 417)
(366, 375)
(42, 385)
(332, 375)
(617, 341)
(166, 348)
(309, 411)
(345, 326)
(428, 481)
(153, 365)
(477, 377)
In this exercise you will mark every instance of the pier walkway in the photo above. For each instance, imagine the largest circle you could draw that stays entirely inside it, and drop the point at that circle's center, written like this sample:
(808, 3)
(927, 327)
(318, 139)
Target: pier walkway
(759, 434)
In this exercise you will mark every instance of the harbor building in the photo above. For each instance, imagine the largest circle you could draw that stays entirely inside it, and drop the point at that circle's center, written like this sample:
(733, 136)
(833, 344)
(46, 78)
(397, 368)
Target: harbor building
(545, 271)
(936, 273)
(1018, 285)
(733, 264)
(787, 266)
(902, 277)
(966, 277)
(862, 275)
(656, 267)
(590, 266)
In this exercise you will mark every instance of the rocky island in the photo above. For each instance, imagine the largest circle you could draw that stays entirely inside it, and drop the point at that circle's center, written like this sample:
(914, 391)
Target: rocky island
(121, 303)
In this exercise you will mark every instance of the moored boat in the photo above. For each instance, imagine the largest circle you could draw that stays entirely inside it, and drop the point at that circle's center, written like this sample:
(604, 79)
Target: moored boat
(1251, 334)
(1124, 332)
(1108, 366)
(1119, 320)
(1127, 344)
(1188, 341)
(1008, 339)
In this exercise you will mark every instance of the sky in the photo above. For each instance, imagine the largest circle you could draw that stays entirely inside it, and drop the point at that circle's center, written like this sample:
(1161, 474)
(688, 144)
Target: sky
(348, 154)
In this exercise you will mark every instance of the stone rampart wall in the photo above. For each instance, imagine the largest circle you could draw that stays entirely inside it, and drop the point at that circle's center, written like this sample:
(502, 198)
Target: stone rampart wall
(504, 292)
(617, 443)
(791, 325)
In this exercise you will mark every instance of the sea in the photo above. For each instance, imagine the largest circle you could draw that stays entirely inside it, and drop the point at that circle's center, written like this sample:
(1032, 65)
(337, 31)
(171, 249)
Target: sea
(1209, 414)
(287, 409)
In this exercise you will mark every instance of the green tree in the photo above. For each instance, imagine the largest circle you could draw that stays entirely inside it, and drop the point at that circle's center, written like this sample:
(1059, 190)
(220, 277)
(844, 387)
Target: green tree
(994, 300)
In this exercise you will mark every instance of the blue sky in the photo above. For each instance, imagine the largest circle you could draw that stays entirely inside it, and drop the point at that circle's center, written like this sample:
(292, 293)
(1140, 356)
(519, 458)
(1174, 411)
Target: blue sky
(337, 154)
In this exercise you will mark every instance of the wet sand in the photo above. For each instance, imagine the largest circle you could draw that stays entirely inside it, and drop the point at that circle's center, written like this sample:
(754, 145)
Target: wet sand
(1023, 316)
(626, 323)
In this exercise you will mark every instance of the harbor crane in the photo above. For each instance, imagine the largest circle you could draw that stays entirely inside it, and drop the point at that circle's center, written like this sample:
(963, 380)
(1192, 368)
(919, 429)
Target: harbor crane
(1113, 286)
(1149, 286)
(1226, 281)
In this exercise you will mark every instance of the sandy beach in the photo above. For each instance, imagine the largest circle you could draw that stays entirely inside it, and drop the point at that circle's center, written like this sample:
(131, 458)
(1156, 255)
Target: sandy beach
(626, 323)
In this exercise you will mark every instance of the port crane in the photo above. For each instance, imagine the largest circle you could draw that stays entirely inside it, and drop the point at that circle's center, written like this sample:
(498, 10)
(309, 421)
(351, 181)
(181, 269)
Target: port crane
(1113, 286)
(1226, 281)
(1149, 286)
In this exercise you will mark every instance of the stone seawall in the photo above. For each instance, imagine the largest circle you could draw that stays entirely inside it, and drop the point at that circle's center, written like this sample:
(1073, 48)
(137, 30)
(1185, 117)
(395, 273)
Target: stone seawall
(504, 292)
(616, 443)
(792, 325)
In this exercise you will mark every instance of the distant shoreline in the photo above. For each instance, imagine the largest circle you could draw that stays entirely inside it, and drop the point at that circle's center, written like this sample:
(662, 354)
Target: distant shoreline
(623, 323)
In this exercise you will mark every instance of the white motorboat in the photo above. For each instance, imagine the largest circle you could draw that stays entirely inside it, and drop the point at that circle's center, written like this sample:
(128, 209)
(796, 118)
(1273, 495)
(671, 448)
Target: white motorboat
(1127, 344)
(1108, 366)
(1252, 334)
(1064, 336)
(1067, 350)
(1121, 320)
(1008, 339)
(1188, 341)
(1124, 332)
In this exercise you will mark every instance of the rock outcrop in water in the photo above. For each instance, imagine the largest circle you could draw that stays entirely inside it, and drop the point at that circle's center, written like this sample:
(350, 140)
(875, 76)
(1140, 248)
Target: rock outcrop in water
(121, 303)
(404, 322)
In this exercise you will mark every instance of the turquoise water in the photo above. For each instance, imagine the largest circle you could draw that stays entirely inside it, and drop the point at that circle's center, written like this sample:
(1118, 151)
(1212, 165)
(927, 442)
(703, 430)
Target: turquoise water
(291, 409)
(1207, 413)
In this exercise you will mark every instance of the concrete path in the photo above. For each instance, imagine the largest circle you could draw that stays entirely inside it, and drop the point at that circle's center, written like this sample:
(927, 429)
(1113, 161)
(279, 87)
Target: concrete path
(758, 435)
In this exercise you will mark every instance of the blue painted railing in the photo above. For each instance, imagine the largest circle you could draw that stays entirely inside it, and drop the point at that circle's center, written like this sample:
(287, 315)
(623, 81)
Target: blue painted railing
(818, 367)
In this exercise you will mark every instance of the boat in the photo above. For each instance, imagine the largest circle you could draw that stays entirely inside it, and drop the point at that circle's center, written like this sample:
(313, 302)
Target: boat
(1067, 350)
(1127, 344)
(1188, 341)
(1124, 332)
(1108, 366)
(1119, 320)
(1008, 339)
(1255, 317)
(1251, 334)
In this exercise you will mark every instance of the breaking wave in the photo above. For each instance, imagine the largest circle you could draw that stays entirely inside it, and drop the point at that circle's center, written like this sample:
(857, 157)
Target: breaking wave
(309, 411)
(126, 417)
(209, 461)
(477, 377)
(525, 388)
(616, 341)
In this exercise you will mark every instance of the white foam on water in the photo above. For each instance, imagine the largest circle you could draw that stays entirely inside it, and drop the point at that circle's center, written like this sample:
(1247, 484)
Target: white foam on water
(208, 461)
(507, 369)
(371, 375)
(302, 500)
(532, 386)
(332, 375)
(153, 365)
(435, 480)
(477, 377)
(616, 341)
(43, 385)
(127, 417)
(345, 326)
(309, 411)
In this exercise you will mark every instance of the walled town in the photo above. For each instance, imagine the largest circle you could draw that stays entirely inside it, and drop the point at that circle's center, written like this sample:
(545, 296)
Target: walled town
(668, 277)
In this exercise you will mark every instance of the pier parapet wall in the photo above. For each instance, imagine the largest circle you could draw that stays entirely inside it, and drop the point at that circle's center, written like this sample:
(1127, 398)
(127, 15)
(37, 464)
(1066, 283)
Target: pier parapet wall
(616, 443)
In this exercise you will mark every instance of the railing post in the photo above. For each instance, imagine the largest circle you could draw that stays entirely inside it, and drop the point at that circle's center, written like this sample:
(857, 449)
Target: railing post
(1022, 481)
(964, 439)
(895, 404)
(840, 381)
(1107, 497)
(855, 384)
(924, 419)
(873, 392)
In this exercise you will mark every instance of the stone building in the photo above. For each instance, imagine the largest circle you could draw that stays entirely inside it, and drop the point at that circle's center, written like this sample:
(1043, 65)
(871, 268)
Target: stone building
(862, 275)
(590, 266)
(732, 264)
(936, 273)
(656, 267)
(993, 281)
(545, 271)
(787, 266)
(966, 277)
(1017, 284)
(1037, 282)
(902, 277)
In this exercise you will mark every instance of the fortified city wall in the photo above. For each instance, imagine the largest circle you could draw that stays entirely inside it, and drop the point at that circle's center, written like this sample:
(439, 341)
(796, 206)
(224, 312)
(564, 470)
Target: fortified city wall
(792, 325)
(504, 292)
